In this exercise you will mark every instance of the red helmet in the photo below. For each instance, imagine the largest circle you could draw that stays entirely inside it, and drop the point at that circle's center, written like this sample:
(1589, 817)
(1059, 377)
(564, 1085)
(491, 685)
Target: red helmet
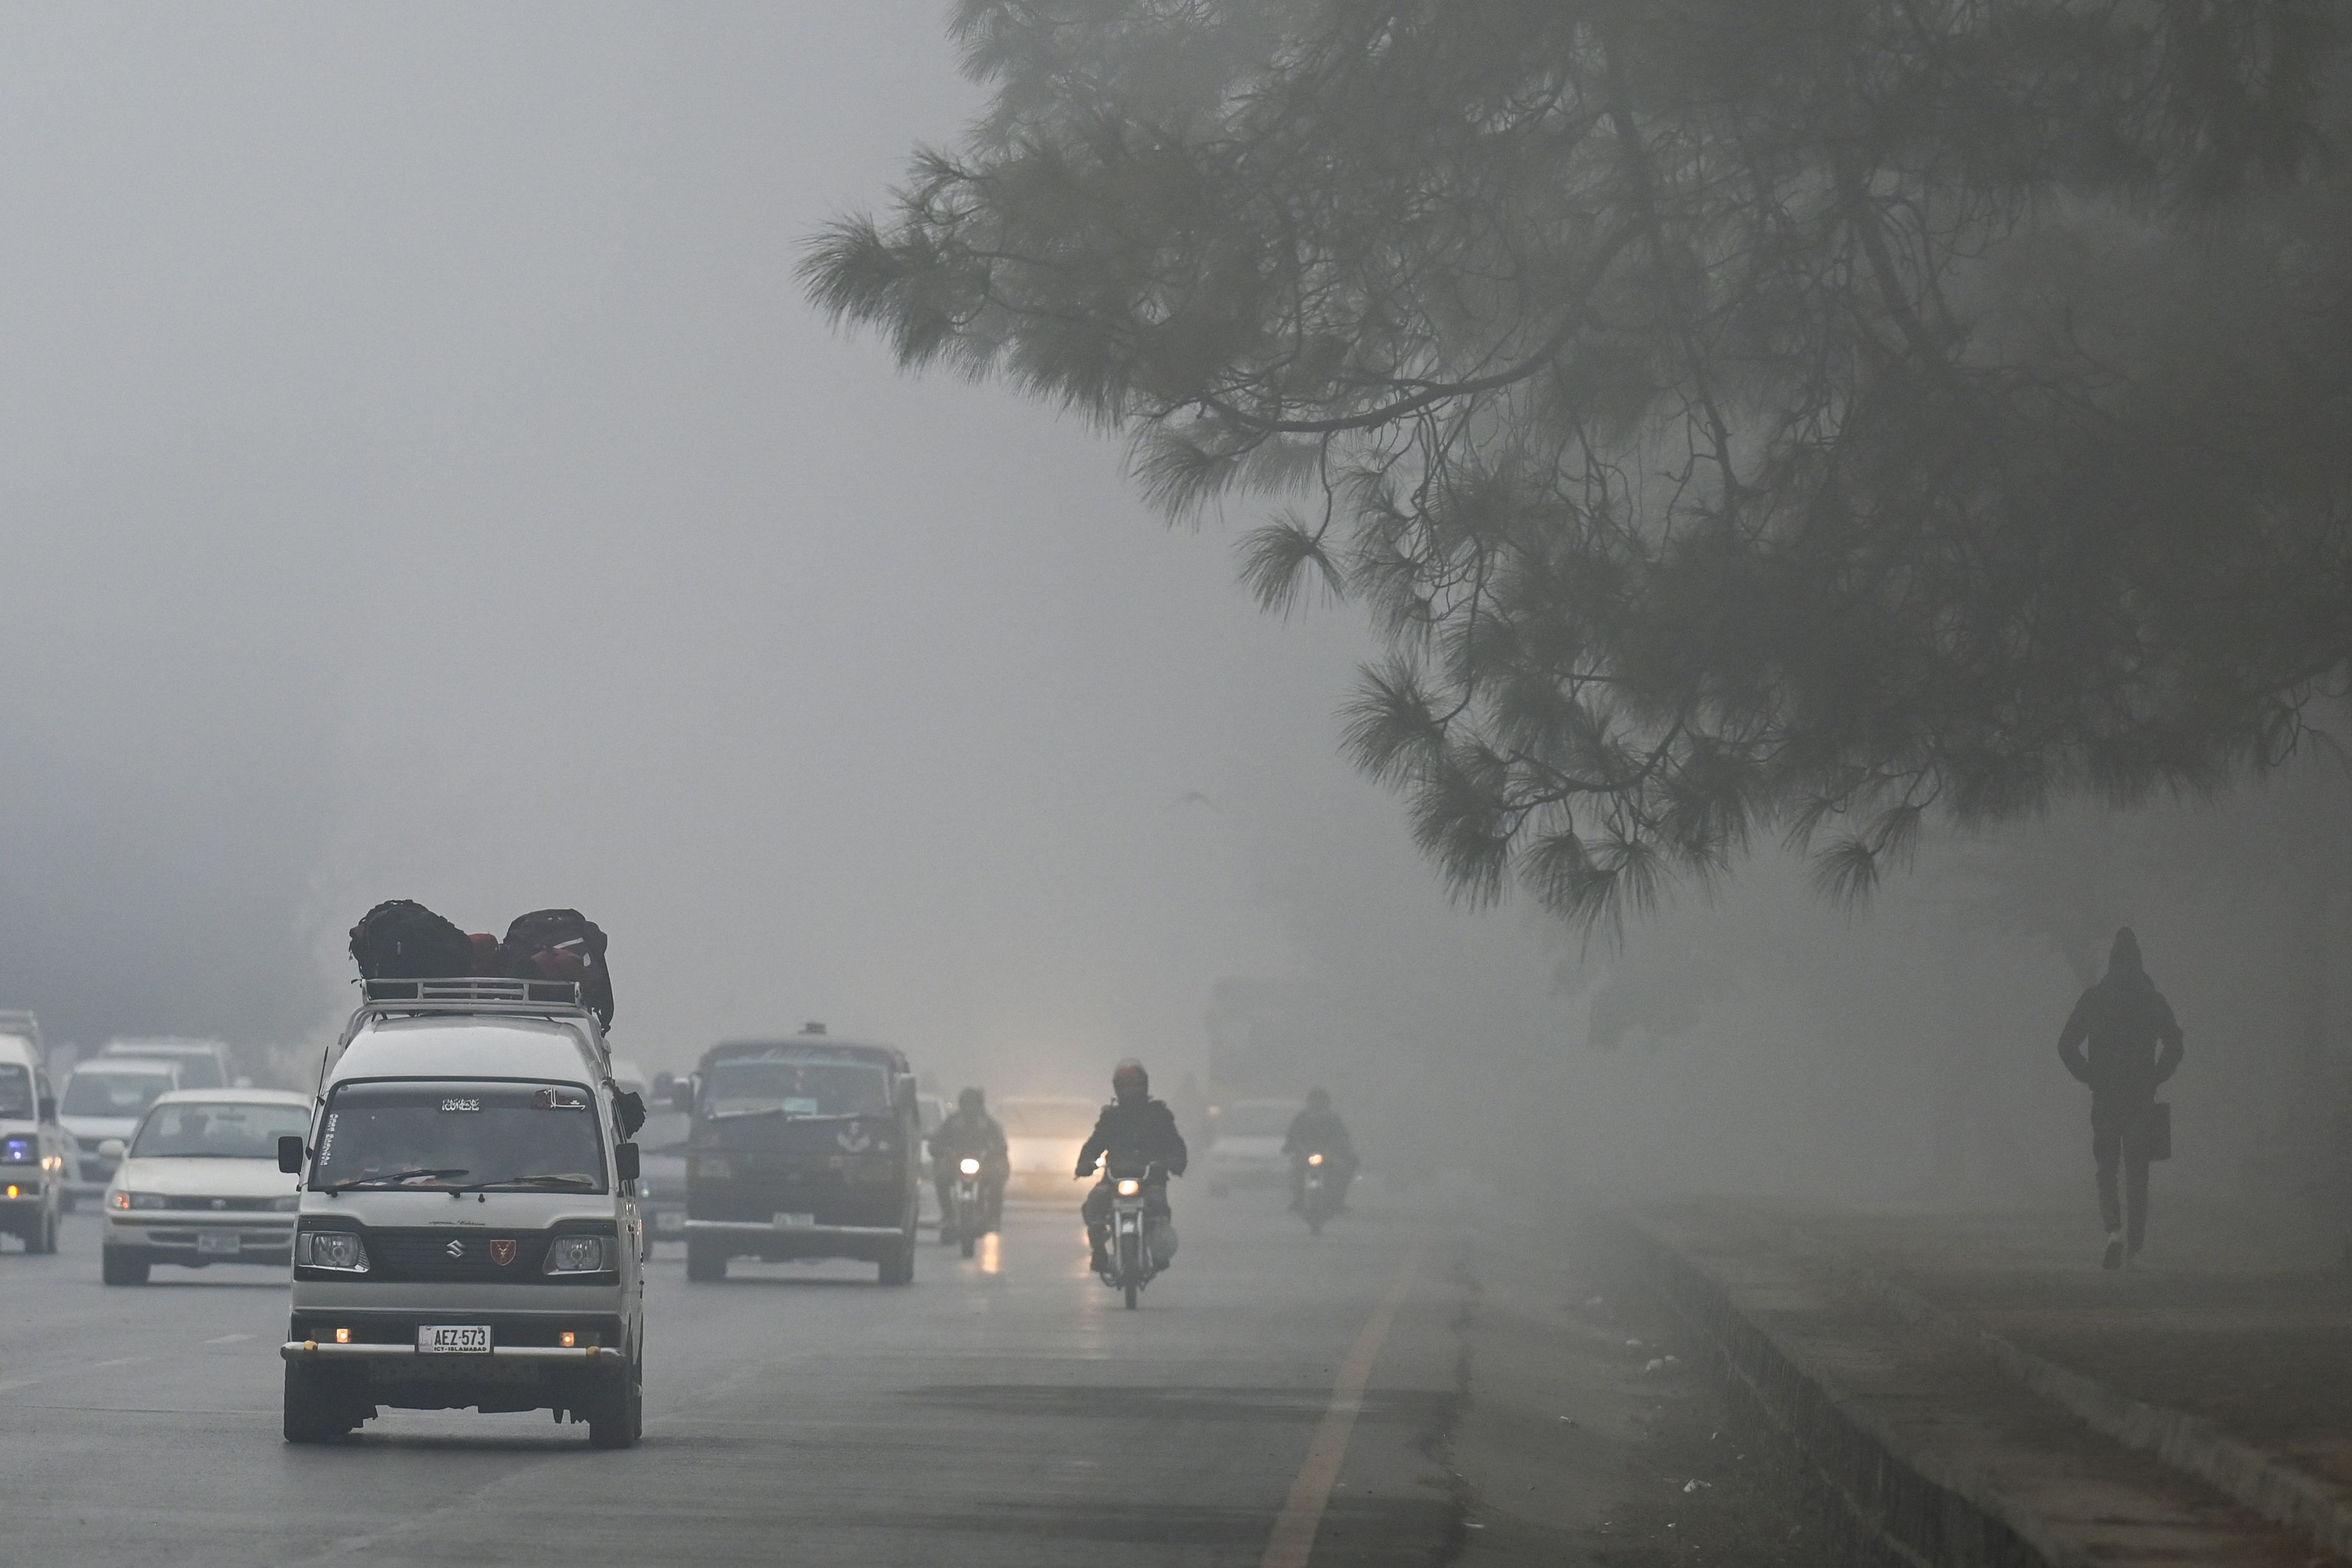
(1129, 1081)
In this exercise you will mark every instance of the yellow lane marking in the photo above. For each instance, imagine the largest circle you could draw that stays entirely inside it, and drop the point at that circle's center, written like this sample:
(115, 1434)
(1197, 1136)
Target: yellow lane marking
(1292, 1541)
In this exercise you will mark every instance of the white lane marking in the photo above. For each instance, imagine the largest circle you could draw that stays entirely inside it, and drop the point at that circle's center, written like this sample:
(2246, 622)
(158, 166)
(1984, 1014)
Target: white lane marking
(1292, 1541)
(229, 1340)
(121, 1360)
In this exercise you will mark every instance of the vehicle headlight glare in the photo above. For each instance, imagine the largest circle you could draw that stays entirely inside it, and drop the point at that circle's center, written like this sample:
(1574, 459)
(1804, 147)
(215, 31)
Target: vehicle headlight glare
(969, 1167)
(576, 1255)
(331, 1249)
(1128, 1186)
(1314, 1159)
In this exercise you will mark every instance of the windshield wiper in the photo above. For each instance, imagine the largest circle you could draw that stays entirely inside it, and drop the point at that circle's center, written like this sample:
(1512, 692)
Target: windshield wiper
(781, 1110)
(564, 1178)
(393, 1176)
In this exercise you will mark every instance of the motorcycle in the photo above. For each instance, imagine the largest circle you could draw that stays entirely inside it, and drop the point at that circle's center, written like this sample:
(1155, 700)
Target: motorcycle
(1319, 1197)
(1141, 1243)
(964, 1219)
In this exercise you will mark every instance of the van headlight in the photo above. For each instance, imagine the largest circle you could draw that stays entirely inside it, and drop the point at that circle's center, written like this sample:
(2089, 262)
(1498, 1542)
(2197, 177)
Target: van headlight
(339, 1250)
(576, 1255)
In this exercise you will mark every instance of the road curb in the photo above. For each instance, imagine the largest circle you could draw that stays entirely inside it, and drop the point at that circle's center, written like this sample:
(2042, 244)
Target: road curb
(1900, 1510)
(2189, 1444)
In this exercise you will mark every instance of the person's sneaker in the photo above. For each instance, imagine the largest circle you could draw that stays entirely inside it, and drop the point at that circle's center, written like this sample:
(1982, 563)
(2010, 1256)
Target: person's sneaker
(2131, 1257)
(2114, 1257)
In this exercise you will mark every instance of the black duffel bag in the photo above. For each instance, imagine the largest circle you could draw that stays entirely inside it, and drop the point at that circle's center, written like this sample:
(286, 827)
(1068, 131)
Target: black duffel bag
(402, 940)
(560, 945)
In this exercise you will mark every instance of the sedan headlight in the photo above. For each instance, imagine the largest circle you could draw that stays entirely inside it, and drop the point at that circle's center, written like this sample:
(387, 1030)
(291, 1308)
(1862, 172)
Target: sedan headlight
(576, 1255)
(122, 1200)
(340, 1249)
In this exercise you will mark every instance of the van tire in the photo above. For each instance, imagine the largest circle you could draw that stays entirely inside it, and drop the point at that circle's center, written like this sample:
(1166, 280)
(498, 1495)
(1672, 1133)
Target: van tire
(116, 1266)
(704, 1261)
(315, 1408)
(616, 1413)
(43, 1236)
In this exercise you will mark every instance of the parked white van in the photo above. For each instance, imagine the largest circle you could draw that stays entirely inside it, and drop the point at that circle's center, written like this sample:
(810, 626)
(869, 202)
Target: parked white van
(468, 1235)
(32, 1144)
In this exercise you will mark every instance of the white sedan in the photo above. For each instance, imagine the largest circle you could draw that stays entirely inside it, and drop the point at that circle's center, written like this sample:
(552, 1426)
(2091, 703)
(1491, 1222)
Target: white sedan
(199, 1184)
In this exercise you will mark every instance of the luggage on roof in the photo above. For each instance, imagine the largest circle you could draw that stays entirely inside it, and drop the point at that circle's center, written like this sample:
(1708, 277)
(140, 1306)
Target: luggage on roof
(560, 944)
(402, 940)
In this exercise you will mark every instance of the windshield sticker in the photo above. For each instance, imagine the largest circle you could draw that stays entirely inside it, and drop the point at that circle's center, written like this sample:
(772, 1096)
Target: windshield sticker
(558, 1100)
(461, 1105)
(327, 1141)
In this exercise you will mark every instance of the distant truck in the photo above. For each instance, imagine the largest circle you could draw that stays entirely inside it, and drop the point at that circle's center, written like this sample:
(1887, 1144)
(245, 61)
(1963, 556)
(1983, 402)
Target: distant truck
(805, 1147)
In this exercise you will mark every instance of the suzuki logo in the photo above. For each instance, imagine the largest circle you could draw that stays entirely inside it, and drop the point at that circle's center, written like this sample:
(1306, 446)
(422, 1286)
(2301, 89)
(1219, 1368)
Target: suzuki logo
(503, 1251)
(455, 1249)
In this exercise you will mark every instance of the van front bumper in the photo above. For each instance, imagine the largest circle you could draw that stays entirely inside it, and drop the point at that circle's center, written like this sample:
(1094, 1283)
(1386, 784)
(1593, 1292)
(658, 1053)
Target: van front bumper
(509, 1355)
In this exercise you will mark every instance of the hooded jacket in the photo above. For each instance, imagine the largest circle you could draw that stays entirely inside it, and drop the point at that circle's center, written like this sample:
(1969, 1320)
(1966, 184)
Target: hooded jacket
(2111, 1039)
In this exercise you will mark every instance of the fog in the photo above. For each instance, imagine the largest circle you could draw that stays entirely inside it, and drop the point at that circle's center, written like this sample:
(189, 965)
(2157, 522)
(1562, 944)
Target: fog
(424, 476)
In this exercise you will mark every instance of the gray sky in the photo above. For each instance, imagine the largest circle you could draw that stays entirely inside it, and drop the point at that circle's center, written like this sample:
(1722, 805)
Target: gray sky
(412, 422)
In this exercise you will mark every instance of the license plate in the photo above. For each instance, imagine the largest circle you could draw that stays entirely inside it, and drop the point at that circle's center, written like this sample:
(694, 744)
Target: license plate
(209, 1243)
(794, 1221)
(668, 1220)
(454, 1339)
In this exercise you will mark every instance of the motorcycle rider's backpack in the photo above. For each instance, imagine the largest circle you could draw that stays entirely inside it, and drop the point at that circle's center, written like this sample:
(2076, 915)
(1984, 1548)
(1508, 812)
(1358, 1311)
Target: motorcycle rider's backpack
(402, 940)
(560, 945)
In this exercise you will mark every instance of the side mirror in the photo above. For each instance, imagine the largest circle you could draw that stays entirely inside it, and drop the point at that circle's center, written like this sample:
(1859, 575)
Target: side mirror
(47, 1108)
(112, 1149)
(681, 1094)
(290, 1154)
(625, 1161)
(631, 1106)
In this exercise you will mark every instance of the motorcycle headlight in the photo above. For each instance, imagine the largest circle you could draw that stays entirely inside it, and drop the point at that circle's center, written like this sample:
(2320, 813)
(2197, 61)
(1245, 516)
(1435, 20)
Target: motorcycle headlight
(1128, 1186)
(969, 1167)
(340, 1249)
(576, 1255)
(1314, 1159)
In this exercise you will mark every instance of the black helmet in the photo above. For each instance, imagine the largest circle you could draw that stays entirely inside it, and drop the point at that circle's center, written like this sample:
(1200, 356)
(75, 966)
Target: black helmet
(1129, 1081)
(970, 1101)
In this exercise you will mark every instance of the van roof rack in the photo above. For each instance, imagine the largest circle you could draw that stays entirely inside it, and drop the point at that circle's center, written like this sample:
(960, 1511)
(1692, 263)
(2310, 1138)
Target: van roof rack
(471, 994)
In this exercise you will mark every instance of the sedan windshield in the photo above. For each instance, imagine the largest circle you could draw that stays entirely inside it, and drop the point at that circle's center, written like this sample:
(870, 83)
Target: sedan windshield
(113, 1093)
(218, 1130)
(15, 1089)
(751, 1085)
(459, 1135)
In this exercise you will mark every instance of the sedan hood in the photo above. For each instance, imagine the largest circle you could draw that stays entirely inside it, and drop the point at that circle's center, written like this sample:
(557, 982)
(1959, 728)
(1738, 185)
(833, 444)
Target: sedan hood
(204, 1178)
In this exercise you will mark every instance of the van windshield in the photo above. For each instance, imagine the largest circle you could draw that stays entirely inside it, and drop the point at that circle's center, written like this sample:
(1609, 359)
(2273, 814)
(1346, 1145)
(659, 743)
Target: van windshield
(122, 1094)
(751, 1085)
(459, 1135)
(15, 1089)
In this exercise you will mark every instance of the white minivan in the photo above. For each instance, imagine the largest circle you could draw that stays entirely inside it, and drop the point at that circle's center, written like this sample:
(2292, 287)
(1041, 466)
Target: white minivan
(468, 1233)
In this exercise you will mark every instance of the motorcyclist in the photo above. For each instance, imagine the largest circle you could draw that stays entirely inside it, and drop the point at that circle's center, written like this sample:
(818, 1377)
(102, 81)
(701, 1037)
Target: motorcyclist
(1133, 1131)
(969, 1131)
(1318, 1130)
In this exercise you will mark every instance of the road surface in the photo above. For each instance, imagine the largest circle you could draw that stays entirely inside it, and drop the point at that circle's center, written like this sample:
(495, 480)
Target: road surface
(1003, 1410)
